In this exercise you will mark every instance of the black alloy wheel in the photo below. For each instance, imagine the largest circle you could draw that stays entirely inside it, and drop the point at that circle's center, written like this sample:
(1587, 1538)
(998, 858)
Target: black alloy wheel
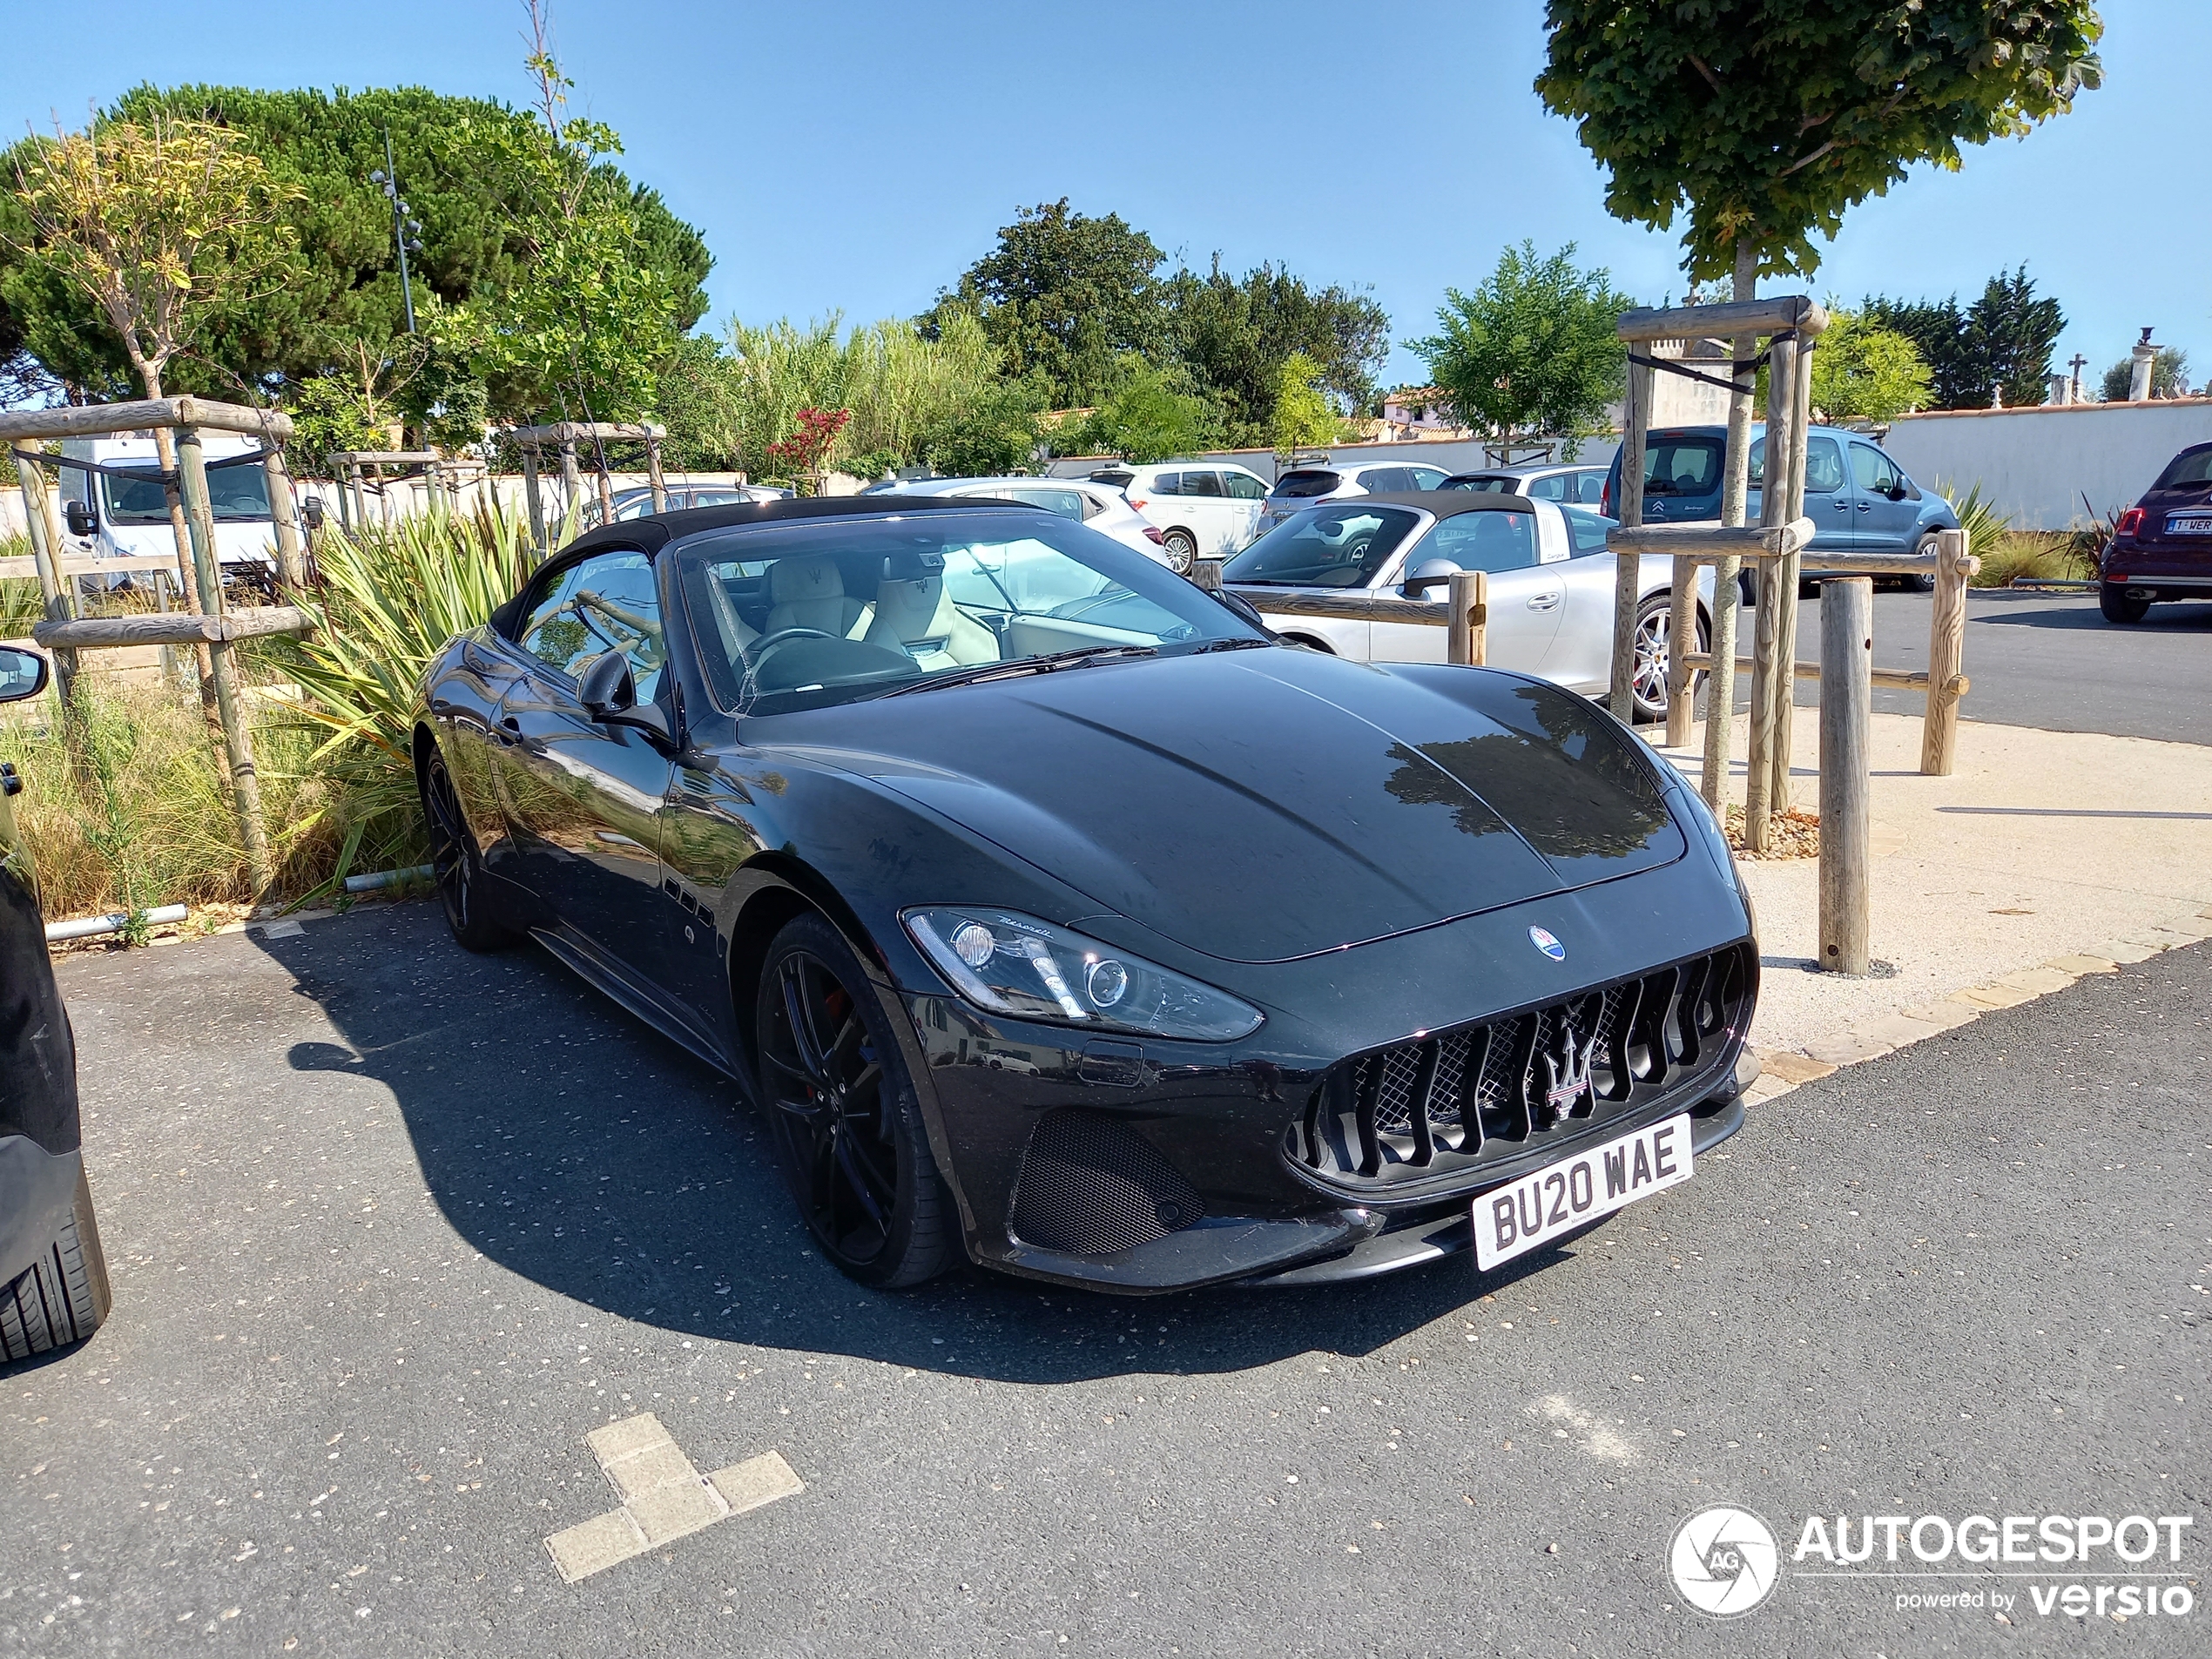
(453, 860)
(845, 1117)
(2116, 606)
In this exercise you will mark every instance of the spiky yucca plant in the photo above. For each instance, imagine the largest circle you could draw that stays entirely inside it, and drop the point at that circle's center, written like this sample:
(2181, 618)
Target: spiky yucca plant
(393, 596)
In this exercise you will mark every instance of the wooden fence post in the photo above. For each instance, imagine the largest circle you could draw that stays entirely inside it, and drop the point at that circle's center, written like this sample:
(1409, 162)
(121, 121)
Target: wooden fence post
(47, 550)
(536, 502)
(1621, 694)
(1947, 654)
(291, 552)
(1467, 636)
(207, 575)
(653, 473)
(1206, 573)
(1782, 582)
(571, 481)
(1846, 714)
(1681, 641)
(1772, 679)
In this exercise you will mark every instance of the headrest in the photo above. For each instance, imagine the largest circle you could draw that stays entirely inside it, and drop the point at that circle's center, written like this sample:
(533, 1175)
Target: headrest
(908, 610)
(814, 577)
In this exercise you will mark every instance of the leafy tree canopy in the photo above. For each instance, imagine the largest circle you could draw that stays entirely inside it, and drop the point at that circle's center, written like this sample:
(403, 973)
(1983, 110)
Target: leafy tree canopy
(1235, 335)
(323, 146)
(1865, 372)
(1152, 415)
(1532, 350)
(1303, 418)
(1764, 120)
(1061, 296)
(2001, 343)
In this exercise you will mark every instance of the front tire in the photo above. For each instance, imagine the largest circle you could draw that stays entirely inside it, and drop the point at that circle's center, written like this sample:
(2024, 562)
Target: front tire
(1923, 582)
(62, 1298)
(454, 861)
(2116, 606)
(1181, 546)
(845, 1116)
(1648, 683)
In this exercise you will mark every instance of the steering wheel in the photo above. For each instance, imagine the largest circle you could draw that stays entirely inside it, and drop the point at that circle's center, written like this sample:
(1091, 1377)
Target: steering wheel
(769, 644)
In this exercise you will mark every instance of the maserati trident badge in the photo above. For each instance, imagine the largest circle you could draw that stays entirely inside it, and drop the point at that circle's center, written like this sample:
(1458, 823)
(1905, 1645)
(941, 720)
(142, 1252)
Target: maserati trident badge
(1547, 941)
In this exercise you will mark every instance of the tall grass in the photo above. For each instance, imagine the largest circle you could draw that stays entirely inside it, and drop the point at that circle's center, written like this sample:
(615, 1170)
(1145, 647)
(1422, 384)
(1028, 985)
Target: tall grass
(129, 807)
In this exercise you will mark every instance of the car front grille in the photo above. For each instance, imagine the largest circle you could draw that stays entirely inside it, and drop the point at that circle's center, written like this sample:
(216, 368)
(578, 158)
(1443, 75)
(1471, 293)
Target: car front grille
(1461, 1101)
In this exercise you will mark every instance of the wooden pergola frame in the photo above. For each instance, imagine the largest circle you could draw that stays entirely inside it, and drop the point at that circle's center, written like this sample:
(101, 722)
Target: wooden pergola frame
(562, 437)
(212, 630)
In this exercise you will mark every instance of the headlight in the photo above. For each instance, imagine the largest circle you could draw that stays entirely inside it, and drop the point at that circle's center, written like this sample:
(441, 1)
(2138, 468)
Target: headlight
(1017, 965)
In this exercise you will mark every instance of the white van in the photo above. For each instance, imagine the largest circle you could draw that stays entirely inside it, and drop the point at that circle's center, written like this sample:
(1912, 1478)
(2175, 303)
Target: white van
(1204, 509)
(126, 514)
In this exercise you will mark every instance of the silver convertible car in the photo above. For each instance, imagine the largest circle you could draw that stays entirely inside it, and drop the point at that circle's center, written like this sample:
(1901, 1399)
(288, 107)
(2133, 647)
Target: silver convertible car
(1551, 584)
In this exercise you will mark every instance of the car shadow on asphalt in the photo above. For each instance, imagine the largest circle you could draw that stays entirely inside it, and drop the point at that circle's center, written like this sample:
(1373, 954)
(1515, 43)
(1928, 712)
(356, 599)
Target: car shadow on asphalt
(2168, 618)
(578, 1149)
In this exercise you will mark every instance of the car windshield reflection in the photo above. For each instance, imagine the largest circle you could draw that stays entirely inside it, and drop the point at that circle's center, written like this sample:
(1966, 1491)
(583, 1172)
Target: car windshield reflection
(793, 616)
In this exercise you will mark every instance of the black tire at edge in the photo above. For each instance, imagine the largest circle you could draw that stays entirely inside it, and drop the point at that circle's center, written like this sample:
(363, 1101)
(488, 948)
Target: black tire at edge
(64, 1296)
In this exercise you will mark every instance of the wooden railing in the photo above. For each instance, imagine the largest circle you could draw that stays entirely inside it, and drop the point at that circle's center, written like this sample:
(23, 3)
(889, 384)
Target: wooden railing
(1465, 613)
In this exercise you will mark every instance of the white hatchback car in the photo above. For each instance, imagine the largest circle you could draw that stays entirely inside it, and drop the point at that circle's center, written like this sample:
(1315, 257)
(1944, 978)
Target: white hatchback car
(1204, 509)
(1551, 584)
(1101, 506)
(1301, 486)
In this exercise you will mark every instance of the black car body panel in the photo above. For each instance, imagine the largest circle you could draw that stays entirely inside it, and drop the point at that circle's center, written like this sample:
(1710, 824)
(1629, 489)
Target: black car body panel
(1359, 852)
(2161, 549)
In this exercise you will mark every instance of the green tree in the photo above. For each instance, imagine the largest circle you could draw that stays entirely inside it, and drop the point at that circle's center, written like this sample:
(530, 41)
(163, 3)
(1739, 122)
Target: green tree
(991, 436)
(1763, 121)
(1152, 415)
(2000, 344)
(1534, 349)
(320, 148)
(1865, 372)
(1062, 296)
(1302, 417)
(1233, 335)
(2168, 375)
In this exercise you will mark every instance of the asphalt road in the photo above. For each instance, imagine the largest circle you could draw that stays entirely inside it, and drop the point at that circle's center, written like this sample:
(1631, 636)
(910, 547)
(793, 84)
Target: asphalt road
(392, 1227)
(2046, 660)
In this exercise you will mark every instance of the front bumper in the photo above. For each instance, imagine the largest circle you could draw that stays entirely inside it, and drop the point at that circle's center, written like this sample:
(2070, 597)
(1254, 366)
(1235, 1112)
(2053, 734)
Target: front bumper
(1145, 1167)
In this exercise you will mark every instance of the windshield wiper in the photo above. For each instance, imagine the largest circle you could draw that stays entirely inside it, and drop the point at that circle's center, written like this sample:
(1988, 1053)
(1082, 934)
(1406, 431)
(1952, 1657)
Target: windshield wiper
(1083, 657)
(1239, 644)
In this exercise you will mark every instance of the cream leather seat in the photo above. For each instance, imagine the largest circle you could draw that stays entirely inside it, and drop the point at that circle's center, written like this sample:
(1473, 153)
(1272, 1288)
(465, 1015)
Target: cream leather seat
(809, 592)
(920, 618)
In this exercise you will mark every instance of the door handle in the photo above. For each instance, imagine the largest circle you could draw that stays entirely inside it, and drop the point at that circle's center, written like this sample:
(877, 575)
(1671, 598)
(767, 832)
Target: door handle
(1840, 503)
(1544, 600)
(1867, 507)
(510, 731)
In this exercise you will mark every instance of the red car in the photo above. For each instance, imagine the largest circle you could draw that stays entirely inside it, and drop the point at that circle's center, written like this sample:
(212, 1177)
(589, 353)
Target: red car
(2161, 548)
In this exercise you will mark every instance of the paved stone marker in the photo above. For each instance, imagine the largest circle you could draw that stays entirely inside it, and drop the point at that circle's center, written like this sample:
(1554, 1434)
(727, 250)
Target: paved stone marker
(663, 1498)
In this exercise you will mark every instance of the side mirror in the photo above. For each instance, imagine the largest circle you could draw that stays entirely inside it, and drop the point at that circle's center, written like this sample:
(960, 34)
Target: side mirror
(311, 512)
(1432, 573)
(1902, 491)
(23, 673)
(80, 518)
(609, 696)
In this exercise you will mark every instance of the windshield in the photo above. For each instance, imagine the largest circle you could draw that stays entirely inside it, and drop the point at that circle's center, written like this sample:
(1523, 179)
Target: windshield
(2190, 468)
(801, 615)
(1492, 482)
(1341, 545)
(1682, 466)
(1307, 482)
(238, 492)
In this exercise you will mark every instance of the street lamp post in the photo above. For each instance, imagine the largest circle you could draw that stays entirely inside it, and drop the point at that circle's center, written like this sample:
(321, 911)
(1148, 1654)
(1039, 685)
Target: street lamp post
(404, 228)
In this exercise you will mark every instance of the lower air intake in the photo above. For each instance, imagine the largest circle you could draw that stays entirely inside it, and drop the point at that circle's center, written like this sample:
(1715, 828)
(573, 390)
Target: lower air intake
(1090, 1186)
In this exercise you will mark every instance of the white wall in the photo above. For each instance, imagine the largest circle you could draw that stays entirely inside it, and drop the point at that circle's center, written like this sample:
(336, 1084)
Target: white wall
(2036, 465)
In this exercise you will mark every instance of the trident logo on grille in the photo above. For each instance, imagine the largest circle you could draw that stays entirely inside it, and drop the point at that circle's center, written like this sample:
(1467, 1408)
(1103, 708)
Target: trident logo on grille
(1567, 1060)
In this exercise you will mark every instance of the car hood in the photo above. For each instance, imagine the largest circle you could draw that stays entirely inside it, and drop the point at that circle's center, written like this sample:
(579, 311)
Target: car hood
(1264, 805)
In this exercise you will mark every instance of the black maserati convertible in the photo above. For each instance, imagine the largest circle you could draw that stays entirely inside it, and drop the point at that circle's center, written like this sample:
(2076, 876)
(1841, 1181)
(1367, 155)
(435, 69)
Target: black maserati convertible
(1057, 914)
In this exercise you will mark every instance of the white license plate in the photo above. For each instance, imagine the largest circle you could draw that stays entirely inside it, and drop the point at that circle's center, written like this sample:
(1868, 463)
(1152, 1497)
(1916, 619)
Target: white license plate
(2191, 524)
(1513, 1220)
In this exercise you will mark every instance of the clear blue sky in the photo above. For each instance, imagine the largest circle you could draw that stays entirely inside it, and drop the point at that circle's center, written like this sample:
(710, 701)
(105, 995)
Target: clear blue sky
(856, 156)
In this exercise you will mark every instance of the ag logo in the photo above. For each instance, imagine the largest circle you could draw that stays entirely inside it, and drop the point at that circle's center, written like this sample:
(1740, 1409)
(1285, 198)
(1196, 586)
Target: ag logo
(1724, 1561)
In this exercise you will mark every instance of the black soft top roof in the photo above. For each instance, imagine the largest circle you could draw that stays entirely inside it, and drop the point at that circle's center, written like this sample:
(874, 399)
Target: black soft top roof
(1445, 503)
(650, 534)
